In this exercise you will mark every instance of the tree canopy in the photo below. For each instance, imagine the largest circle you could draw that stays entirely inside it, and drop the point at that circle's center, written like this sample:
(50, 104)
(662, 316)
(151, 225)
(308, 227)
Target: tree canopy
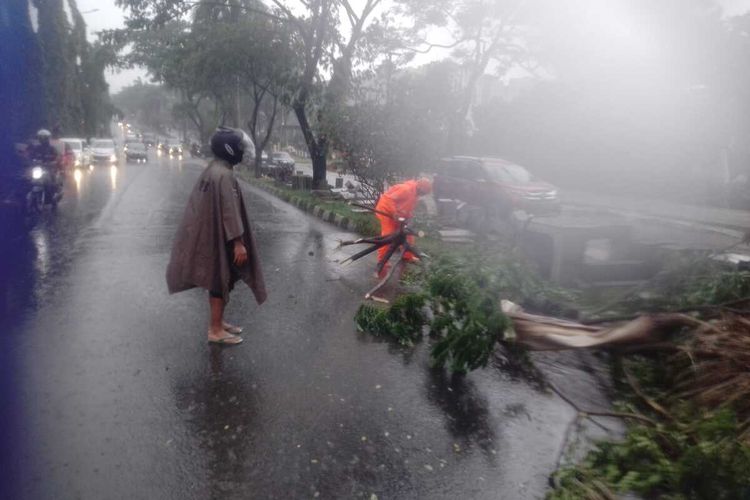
(577, 90)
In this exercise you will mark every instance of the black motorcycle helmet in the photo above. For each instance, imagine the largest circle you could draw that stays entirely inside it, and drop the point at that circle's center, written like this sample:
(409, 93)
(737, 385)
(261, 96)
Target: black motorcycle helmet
(228, 144)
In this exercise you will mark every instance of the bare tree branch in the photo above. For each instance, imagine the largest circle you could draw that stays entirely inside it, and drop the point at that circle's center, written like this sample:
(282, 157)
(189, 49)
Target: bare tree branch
(431, 46)
(353, 19)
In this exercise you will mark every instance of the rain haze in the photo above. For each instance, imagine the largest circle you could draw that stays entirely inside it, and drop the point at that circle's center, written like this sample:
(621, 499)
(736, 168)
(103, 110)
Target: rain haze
(375, 249)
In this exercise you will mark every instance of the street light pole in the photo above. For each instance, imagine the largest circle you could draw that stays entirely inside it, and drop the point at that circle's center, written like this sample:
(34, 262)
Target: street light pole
(238, 102)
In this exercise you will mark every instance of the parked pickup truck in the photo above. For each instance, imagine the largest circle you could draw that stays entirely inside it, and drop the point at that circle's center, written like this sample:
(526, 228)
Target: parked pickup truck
(495, 184)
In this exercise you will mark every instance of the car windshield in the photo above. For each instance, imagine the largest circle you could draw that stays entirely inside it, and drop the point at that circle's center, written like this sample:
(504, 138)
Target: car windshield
(136, 146)
(508, 173)
(103, 144)
(282, 156)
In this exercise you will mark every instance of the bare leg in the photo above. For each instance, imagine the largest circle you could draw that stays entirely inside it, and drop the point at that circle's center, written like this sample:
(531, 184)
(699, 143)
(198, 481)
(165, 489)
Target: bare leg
(216, 327)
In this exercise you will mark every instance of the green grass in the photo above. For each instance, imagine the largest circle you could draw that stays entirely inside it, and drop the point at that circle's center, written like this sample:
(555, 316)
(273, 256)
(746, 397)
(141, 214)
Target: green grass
(365, 224)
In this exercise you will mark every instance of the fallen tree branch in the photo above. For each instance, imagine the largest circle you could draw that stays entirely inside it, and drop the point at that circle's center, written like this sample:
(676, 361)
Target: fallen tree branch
(725, 306)
(650, 402)
(590, 413)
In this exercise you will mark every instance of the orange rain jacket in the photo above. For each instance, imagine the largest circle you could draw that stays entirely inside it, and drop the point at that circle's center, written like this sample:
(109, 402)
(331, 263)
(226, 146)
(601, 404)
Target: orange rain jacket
(399, 201)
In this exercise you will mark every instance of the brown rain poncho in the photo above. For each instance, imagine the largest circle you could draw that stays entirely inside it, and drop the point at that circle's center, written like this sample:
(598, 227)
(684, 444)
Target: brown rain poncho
(202, 255)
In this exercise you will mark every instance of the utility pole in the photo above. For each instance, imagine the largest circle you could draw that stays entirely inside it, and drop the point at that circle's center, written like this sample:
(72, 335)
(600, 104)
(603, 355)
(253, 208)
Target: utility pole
(237, 116)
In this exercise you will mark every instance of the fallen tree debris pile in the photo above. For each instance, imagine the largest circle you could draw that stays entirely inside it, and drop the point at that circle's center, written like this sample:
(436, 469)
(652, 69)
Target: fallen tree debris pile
(712, 367)
(680, 348)
(689, 283)
(688, 405)
(458, 305)
(706, 361)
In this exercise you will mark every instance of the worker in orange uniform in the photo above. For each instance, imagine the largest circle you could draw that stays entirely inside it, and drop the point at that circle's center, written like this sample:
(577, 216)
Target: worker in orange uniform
(399, 202)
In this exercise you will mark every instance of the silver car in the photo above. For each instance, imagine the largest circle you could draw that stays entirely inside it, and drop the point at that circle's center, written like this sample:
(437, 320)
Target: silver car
(80, 151)
(103, 152)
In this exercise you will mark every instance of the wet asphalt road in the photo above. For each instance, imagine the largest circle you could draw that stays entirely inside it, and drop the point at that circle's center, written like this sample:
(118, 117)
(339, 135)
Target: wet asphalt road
(112, 392)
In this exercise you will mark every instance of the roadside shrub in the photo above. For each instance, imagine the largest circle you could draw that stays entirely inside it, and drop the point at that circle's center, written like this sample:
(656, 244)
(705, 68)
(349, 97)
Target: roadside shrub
(690, 282)
(463, 293)
(403, 321)
(467, 321)
(703, 460)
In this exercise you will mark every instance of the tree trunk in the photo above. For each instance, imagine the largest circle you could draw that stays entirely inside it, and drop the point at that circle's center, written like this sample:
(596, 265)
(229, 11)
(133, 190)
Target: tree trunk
(258, 159)
(316, 148)
(320, 180)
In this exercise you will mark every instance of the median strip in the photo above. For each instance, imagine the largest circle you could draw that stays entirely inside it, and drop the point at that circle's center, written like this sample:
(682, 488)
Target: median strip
(334, 211)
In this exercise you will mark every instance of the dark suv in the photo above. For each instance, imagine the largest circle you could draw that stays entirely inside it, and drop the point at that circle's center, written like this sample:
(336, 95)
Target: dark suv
(497, 185)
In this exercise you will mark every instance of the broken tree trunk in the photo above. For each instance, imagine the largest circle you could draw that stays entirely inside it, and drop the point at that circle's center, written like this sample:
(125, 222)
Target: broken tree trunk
(545, 333)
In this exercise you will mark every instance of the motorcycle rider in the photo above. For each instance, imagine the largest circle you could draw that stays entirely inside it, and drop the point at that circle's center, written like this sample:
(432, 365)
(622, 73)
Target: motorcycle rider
(44, 152)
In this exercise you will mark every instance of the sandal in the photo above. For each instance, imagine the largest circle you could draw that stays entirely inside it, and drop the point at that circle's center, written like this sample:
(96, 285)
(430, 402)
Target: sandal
(234, 330)
(230, 340)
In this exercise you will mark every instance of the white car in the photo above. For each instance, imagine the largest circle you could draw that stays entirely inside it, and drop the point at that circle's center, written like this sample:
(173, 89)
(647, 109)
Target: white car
(103, 152)
(80, 151)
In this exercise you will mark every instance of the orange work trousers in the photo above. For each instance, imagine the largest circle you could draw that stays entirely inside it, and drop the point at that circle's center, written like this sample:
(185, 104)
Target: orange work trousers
(390, 226)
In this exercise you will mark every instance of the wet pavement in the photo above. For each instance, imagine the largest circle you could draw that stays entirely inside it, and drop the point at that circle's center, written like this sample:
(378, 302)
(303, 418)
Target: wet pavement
(112, 392)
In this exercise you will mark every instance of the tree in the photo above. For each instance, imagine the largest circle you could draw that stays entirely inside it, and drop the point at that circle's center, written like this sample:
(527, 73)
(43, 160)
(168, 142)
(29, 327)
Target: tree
(150, 105)
(89, 108)
(22, 95)
(383, 140)
(314, 25)
(54, 76)
(261, 65)
(57, 67)
(485, 35)
(175, 56)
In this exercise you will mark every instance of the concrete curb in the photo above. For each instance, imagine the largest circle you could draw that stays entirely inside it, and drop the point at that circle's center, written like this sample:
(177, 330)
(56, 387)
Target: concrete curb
(318, 211)
(732, 231)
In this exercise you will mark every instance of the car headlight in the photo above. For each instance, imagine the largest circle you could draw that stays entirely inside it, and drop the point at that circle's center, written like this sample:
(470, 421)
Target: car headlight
(77, 163)
(113, 158)
(37, 173)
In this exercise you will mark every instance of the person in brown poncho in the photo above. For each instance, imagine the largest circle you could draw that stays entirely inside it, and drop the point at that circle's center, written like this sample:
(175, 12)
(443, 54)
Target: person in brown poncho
(215, 246)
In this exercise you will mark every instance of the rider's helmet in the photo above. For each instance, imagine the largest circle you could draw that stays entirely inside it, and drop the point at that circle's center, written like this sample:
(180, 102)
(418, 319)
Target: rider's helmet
(229, 144)
(43, 136)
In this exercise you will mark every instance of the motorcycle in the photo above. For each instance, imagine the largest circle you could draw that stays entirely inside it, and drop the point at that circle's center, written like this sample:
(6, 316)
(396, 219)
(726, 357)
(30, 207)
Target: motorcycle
(45, 187)
(198, 151)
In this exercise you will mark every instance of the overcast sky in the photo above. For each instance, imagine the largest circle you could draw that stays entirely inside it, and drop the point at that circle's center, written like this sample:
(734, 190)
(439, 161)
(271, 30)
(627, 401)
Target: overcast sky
(104, 14)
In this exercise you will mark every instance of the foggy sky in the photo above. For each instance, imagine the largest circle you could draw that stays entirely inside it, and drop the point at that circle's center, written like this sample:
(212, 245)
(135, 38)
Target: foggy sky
(110, 16)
